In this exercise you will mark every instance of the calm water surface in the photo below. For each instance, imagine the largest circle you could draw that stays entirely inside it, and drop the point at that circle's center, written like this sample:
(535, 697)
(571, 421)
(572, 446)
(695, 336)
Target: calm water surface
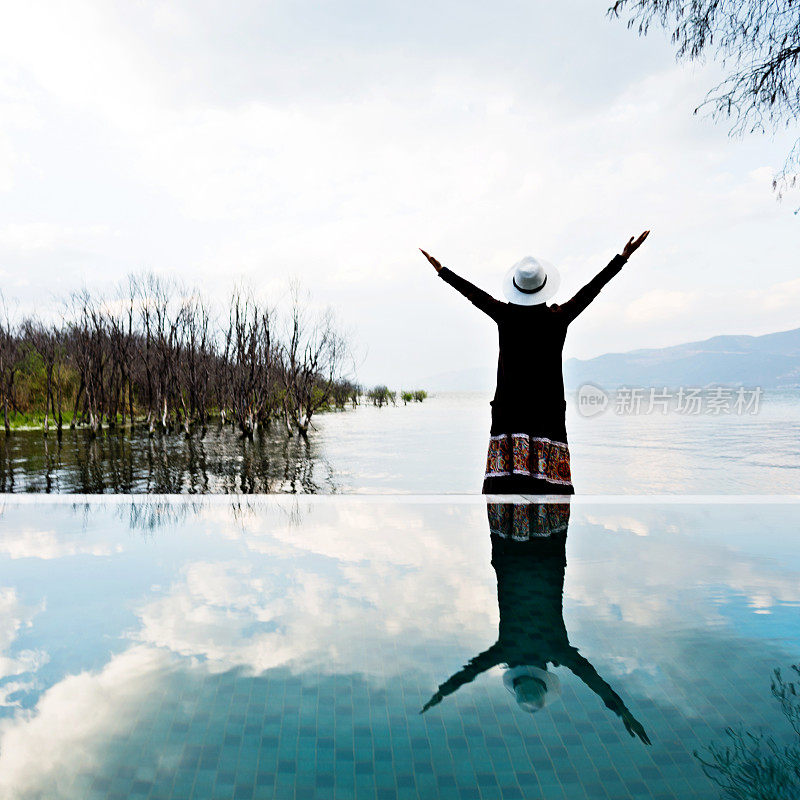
(438, 446)
(284, 647)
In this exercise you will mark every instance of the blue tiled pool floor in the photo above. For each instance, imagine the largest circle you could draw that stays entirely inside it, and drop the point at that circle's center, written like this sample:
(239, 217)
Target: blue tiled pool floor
(285, 648)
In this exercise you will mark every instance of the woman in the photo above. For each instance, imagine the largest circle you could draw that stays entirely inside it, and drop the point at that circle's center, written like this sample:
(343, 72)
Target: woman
(529, 558)
(528, 450)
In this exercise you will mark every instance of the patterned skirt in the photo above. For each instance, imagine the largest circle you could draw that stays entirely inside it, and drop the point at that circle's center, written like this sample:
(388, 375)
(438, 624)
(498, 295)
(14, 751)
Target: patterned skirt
(522, 522)
(518, 463)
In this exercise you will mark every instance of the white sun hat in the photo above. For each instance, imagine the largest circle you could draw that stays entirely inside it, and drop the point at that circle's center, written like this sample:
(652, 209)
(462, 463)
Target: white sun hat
(531, 281)
(533, 688)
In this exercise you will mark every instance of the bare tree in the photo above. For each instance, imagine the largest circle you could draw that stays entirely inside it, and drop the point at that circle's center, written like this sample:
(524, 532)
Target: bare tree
(381, 396)
(154, 350)
(140, 289)
(10, 354)
(59, 377)
(761, 41)
(88, 333)
(161, 317)
(252, 357)
(45, 341)
(313, 355)
(345, 391)
(196, 368)
(119, 318)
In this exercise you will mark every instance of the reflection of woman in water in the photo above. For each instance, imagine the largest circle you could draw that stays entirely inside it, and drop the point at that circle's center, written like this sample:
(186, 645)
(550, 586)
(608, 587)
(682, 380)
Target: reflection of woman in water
(528, 451)
(529, 557)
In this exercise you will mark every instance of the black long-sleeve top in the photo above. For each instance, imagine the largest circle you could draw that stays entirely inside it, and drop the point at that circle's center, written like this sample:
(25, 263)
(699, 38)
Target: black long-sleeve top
(530, 588)
(529, 396)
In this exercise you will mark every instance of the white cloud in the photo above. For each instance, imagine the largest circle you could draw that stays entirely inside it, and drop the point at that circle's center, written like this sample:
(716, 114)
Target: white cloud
(772, 304)
(620, 524)
(646, 585)
(661, 304)
(42, 750)
(784, 296)
(49, 544)
(14, 618)
(331, 613)
(27, 238)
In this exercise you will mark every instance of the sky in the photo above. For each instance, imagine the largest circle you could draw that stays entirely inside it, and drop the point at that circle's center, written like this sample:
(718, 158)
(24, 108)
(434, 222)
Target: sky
(259, 142)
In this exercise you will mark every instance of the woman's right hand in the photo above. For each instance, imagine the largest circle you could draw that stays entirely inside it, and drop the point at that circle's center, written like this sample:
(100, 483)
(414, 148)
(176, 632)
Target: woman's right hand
(436, 265)
(632, 245)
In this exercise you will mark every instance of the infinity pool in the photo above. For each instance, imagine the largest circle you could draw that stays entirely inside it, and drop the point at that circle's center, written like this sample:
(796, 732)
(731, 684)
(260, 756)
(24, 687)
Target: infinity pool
(286, 647)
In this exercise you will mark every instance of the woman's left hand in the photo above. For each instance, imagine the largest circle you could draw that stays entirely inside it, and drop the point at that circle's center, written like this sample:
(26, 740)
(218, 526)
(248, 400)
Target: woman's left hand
(634, 727)
(632, 245)
(436, 265)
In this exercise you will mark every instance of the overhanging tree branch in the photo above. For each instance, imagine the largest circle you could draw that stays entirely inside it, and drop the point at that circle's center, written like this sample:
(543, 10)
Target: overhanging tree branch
(759, 39)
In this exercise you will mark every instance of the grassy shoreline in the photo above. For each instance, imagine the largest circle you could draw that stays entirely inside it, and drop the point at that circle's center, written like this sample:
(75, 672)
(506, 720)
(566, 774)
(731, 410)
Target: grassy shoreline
(34, 421)
(25, 422)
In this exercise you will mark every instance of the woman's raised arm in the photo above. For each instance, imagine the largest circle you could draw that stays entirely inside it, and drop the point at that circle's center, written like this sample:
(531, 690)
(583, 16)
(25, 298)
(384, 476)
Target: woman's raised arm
(584, 296)
(480, 299)
(485, 660)
(581, 667)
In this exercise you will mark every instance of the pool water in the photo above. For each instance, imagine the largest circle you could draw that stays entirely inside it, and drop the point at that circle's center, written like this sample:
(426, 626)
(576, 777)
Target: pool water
(285, 647)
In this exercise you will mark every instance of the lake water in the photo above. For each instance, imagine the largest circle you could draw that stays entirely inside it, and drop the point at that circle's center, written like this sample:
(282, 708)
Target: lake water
(283, 647)
(438, 446)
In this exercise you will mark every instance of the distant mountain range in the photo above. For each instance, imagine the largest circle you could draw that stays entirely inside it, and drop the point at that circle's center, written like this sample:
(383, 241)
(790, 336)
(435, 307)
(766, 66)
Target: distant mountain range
(769, 361)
